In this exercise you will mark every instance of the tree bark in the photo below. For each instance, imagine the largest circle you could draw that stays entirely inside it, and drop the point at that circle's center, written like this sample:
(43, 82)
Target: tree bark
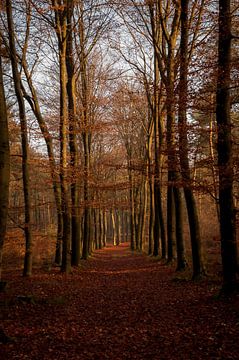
(118, 222)
(86, 136)
(4, 165)
(159, 76)
(151, 216)
(75, 219)
(132, 205)
(172, 158)
(113, 227)
(104, 228)
(144, 212)
(61, 32)
(159, 226)
(224, 148)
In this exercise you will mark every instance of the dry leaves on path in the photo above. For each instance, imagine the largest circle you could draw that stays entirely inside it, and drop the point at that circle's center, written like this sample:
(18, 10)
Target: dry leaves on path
(116, 306)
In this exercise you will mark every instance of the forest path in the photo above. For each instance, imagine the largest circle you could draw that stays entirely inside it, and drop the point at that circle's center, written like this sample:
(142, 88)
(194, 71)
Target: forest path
(117, 306)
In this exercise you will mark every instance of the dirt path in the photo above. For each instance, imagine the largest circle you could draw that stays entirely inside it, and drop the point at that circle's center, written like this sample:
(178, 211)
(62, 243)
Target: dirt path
(117, 306)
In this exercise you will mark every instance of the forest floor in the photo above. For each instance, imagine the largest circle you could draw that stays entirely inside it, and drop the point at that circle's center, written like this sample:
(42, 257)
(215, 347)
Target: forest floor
(116, 306)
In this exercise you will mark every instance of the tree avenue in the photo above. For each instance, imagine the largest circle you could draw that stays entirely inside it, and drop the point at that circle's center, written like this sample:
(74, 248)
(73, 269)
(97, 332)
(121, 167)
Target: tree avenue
(127, 131)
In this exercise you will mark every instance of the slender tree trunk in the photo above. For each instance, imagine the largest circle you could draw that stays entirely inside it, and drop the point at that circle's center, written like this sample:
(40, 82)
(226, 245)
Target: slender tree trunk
(150, 190)
(86, 237)
(113, 226)
(122, 226)
(151, 215)
(97, 228)
(213, 167)
(159, 226)
(104, 228)
(75, 219)
(85, 134)
(132, 204)
(61, 31)
(181, 257)
(144, 212)
(198, 267)
(171, 218)
(4, 166)
(139, 217)
(27, 271)
(224, 148)
(118, 219)
(137, 206)
(172, 158)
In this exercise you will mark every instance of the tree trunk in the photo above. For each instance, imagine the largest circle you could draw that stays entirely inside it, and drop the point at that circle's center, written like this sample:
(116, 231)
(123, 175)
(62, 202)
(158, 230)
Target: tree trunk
(213, 167)
(86, 237)
(113, 226)
(27, 271)
(85, 134)
(172, 157)
(181, 257)
(171, 218)
(224, 148)
(122, 226)
(104, 228)
(139, 217)
(97, 228)
(118, 221)
(75, 219)
(198, 267)
(151, 215)
(4, 166)
(132, 204)
(150, 177)
(159, 226)
(100, 228)
(61, 31)
(144, 212)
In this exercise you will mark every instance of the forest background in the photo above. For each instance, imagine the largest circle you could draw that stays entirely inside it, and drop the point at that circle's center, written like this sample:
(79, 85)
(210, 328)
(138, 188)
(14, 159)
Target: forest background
(122, 121)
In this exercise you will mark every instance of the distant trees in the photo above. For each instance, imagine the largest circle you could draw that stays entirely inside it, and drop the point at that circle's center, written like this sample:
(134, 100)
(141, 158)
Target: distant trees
(76, 41)
(161, 23)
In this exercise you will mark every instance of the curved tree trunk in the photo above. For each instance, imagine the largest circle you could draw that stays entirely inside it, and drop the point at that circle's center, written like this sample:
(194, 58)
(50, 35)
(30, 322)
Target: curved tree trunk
(27, 271)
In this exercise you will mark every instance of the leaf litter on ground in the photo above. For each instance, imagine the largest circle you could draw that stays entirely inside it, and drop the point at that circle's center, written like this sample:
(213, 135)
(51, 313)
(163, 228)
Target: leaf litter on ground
(117, 306)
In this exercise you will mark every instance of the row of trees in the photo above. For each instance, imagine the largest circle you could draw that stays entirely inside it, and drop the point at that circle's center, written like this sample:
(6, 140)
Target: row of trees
(118, 92)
